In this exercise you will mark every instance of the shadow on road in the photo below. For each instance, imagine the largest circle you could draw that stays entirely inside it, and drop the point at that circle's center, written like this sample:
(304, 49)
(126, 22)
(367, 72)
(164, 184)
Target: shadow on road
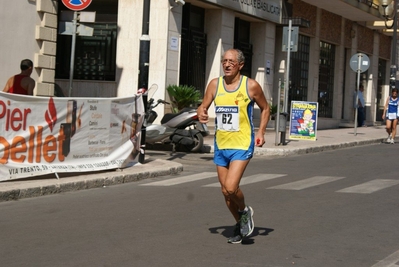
(227, 231)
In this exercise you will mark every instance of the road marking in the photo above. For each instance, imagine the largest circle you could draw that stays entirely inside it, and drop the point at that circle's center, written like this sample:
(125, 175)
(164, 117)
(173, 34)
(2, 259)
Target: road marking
(370, 187)
(389, 261)
(306, 183)
(365, 188)
(183, 179)
(252, 179)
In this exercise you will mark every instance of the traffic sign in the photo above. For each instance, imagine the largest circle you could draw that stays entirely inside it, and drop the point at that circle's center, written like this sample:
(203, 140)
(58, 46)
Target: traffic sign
(359, 62)
(76, 5)
(294, 39)
(67, 28)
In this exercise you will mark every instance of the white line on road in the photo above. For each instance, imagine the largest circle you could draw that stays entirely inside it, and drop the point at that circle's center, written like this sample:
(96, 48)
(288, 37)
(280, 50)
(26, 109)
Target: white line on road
(183, 179)
(306, 183)
(252, 179)
(370, 187)
(389, 261)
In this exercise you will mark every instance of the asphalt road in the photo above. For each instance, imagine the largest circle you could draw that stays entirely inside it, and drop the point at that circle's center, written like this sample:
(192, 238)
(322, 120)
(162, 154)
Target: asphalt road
(336, 208)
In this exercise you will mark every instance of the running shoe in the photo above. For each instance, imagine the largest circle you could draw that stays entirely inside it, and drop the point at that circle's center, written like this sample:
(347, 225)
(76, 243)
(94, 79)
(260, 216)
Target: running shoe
(236, 238)
(392, 141)
(247, 222)
(389, 139)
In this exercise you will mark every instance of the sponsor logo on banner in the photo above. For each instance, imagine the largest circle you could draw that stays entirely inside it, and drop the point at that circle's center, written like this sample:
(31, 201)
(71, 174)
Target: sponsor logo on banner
(41, 135)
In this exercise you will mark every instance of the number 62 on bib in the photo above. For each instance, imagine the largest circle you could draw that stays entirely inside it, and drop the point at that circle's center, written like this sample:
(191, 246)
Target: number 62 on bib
(228, 118)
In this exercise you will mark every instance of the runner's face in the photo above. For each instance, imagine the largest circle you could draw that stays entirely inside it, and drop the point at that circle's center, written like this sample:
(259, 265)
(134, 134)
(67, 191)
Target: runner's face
(230, 64)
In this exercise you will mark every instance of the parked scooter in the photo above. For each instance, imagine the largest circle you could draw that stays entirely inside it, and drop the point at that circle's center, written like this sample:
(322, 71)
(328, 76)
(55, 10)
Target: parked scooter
(181, 129)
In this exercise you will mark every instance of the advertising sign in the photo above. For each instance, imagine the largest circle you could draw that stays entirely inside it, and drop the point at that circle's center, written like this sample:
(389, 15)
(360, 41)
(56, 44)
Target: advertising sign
(303, 122)
(76, 5)
(265, 9)
(41, 135)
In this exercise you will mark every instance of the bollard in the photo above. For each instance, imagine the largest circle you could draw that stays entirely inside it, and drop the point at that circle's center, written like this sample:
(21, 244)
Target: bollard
(282, 126)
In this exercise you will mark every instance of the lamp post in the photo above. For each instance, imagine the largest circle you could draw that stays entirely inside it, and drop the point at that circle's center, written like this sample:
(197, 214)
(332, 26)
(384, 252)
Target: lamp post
(388, 9)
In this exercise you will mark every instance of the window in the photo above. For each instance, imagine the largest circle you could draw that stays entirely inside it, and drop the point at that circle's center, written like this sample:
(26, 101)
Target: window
(95, 56)
(299, 69)
(242, 42)
(380, 84)
(193, 48)
(326, 79)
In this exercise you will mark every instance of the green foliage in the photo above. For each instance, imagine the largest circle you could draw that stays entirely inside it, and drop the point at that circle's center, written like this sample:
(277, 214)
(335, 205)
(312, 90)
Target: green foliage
(273, 111)
(183, 96)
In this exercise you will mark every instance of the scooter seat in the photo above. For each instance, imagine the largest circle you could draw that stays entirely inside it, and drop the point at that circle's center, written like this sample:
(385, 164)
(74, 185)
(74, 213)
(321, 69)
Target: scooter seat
(168, 116)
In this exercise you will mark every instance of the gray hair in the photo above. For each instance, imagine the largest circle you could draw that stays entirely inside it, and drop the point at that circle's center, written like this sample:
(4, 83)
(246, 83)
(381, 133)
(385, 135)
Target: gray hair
(240, 55)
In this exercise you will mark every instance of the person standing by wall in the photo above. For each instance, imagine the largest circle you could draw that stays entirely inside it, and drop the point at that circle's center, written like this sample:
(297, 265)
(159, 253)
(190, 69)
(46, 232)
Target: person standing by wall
(21, 83)
(360, 106)
(234, 96)
(391, 115)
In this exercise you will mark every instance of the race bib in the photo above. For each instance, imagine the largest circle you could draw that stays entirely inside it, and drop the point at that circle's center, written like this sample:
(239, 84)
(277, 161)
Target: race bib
(391, 116)
(228, 118)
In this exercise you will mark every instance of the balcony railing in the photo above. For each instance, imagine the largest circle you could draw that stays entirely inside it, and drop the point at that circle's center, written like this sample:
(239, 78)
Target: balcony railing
(369, 3)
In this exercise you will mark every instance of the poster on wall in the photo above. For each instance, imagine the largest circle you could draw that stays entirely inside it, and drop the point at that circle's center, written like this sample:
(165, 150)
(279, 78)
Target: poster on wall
(303, 122)
(42, 135)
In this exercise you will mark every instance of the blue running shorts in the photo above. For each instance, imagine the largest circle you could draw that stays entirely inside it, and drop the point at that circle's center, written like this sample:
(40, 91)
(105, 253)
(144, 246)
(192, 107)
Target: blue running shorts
(223, 157)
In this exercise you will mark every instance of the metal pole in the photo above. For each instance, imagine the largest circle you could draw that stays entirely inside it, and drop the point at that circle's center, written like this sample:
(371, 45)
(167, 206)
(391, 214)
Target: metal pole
(144, 60)
(71, 70)
(287, 78)
(394, 47)
(277, 119)
(287, 71)
(357, 90)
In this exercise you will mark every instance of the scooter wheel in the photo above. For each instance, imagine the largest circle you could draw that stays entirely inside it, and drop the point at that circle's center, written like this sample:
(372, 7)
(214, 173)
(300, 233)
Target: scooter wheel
(196, 146)
(198, 143)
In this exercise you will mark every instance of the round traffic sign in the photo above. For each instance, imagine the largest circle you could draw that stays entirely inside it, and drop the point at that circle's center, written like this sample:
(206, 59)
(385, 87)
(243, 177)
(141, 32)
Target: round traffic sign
(359, 62)
(76, 5)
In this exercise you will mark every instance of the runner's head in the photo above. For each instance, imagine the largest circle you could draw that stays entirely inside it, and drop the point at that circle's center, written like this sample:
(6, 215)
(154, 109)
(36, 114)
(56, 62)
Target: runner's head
(26, 64)
(232, 62)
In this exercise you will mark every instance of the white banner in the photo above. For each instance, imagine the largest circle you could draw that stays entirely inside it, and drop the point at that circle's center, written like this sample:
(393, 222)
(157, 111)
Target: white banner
(41, 135)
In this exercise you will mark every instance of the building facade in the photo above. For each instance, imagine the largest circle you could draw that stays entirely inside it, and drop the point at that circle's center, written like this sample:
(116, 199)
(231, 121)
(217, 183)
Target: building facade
(186, 43)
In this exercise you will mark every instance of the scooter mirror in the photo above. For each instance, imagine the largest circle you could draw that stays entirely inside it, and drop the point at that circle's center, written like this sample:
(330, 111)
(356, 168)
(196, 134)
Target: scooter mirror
(150, 92)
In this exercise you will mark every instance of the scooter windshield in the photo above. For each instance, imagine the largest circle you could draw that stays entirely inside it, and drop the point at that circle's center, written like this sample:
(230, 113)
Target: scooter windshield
(151, 91)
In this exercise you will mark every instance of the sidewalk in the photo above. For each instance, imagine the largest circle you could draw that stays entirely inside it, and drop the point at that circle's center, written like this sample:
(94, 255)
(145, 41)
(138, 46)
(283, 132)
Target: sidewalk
(326, 140)
(47, 185)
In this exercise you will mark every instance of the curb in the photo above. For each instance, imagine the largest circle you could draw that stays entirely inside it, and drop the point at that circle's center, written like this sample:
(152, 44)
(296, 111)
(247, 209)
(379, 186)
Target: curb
(316, 149)
(15, 190)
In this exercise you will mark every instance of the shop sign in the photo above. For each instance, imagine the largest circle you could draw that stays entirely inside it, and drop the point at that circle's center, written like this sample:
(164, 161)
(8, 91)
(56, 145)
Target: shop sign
(263, 9)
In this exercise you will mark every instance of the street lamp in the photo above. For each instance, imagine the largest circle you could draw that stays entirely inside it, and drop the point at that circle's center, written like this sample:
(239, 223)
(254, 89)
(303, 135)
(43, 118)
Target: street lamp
(388, 9)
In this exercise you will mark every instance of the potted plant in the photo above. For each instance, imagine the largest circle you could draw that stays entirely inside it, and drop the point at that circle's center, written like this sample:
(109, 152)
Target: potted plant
(183, 96)
(273, 111)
